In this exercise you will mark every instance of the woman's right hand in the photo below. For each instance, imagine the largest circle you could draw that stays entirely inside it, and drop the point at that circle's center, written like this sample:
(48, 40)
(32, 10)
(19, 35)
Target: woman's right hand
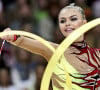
(8, 38)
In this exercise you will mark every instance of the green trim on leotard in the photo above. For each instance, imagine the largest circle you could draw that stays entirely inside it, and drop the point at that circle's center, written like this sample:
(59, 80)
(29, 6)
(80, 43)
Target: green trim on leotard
(60, 72)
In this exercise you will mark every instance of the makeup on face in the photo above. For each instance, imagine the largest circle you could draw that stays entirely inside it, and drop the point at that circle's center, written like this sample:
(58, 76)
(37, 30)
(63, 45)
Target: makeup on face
(70, 20)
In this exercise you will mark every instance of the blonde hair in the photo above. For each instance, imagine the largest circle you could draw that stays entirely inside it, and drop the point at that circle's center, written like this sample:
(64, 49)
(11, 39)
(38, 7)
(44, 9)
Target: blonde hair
(73, 6)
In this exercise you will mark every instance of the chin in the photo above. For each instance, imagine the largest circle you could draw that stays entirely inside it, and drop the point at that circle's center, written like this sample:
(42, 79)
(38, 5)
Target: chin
(80, 39)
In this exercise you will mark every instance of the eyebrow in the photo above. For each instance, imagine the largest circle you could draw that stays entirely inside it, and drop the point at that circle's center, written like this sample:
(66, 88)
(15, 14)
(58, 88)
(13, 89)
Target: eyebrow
(73, 15)
(68, 17)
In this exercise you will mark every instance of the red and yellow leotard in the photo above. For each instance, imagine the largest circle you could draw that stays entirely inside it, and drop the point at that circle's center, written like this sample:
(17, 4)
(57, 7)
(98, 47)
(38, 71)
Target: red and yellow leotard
(83, 65)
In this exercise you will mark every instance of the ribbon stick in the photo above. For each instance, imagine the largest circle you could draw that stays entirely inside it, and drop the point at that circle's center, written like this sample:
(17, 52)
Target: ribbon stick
(59, 51)
(2, 46)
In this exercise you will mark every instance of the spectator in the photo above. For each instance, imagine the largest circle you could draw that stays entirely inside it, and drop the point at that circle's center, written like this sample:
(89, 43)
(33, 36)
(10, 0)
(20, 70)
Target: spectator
(2, 19)
(96, 8)
(39, 73)
(23, 74)
(24, 14)
(5, 79)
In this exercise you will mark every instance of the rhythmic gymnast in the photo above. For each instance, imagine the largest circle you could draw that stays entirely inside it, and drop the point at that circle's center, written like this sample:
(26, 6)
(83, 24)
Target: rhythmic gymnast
(80, 56)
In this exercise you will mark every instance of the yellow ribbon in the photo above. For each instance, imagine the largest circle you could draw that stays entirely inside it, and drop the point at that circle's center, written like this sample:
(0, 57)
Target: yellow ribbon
(28, 34)
(58, 52)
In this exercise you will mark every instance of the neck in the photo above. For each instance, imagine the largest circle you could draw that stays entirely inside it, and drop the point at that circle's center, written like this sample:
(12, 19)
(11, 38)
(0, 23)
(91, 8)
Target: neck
(81, 44)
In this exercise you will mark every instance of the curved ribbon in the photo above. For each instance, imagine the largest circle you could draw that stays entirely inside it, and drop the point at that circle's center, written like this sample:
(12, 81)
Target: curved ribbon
(59, 51)
(33, 36)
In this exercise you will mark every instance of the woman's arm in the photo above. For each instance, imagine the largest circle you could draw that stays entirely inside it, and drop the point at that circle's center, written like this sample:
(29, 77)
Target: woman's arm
(31, 45)
(34, 46)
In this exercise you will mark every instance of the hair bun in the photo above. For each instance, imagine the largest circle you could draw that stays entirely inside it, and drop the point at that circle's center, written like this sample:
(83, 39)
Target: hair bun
(72, 4)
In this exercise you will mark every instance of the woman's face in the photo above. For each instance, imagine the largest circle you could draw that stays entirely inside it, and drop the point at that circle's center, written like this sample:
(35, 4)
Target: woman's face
(70, 20)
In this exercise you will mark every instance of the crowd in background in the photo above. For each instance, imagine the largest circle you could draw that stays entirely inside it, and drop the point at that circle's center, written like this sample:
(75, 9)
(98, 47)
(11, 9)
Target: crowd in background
(22, 70)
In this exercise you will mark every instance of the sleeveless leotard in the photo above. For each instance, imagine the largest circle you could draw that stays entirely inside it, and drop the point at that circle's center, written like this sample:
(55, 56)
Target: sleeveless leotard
(83, 66)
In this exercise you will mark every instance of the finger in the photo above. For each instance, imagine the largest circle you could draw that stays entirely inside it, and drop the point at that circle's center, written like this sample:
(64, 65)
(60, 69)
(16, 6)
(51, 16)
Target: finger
(10, 38)
(7, 29)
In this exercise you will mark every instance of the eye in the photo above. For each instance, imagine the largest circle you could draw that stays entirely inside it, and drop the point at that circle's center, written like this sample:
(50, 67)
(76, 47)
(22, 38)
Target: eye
(62, 21)
(73, 18)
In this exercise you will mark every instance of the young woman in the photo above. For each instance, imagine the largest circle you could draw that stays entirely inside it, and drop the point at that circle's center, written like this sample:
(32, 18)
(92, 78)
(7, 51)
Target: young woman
(83, 58)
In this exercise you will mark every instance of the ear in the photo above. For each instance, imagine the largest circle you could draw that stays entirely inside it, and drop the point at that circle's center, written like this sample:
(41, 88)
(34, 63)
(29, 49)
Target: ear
(85, 21)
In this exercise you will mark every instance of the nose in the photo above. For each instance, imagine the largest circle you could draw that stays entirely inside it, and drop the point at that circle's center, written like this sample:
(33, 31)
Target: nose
(67, 23)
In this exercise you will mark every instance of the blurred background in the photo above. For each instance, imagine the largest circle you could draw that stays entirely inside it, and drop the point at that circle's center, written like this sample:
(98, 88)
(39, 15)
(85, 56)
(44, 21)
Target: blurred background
(22, 70)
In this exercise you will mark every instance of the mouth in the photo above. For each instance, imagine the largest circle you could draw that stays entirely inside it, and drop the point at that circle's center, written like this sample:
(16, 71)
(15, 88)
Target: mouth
(69, 29)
